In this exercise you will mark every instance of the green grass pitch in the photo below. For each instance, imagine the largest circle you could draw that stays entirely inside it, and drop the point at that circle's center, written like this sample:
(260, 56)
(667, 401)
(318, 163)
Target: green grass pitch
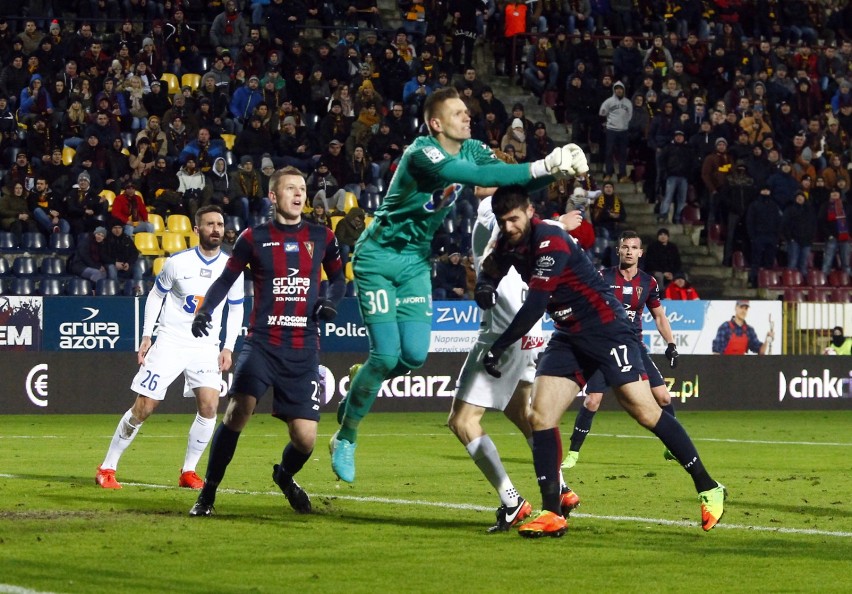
(415, 519)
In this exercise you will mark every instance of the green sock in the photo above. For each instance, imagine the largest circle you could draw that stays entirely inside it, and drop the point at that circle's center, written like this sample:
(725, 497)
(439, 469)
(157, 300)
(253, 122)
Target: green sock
(362, 394)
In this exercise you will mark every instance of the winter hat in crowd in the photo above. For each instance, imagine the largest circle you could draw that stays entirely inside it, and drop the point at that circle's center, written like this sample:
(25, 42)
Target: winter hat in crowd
(266, 162)
(100, 231)
(517, 123)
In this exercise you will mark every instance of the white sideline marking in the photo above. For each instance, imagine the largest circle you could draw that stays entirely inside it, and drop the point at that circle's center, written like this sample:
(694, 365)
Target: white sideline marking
(442, 434)
(10, 589)
(481, 508)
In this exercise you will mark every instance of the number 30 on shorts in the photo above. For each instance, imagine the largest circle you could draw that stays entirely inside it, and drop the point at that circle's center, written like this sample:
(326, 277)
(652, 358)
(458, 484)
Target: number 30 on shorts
(377, 301)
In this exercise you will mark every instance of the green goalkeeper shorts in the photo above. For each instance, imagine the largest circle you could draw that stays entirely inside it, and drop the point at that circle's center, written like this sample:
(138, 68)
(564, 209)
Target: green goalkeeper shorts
(392, 287)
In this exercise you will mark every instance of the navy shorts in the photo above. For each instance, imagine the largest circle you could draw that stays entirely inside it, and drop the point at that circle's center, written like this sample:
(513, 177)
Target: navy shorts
(613, 349)
(292, 373)
(597, 383)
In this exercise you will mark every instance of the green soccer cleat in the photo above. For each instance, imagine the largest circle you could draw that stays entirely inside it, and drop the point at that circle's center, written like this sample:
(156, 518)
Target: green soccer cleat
(669, 456)
(342, 458)
(341, 408)
(570, 460)
(712, 506)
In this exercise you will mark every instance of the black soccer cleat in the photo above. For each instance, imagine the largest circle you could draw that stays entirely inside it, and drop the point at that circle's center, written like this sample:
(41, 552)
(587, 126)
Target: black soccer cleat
(201, 509)
(511, 516)
(295, 494)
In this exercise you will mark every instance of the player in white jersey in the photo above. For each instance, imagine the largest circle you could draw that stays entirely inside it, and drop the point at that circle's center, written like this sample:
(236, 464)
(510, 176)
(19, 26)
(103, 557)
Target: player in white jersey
(178, 292)
(477, 390)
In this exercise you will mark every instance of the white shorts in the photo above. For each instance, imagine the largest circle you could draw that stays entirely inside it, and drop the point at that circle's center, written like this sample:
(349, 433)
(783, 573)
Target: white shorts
(167, 359)
(476, 386)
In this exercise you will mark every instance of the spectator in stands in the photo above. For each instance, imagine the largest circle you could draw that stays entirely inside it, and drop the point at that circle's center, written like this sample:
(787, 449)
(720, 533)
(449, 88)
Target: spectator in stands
(56, 172)
(835, 171)
(680, 289)
(90, 260)
(319, 213)
(156, 102)
(833, 227)
(204, 149)
(161, 187)
(348, 231)
(322, 180)
(363, 173)
(15, 215)
(244, 191)
(662, 258)
(782, 185)
(47, 209)
(541, 70)
(254, 140)
(617, 111)
(798, 229)
(763, 226)
(229, 30)
(86, 210)
(608, 217)
(122, 257)
(14, 79)
(450, 280)
(714, 173)
(384, 147)
(540, 145)
(677, 162)
(735, 337)
(517, 138)
(130, 209)
(736, 196)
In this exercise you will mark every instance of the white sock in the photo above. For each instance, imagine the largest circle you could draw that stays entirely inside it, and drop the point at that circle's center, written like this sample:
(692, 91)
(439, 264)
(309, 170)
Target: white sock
(127, 429)
(200, 434)
(484, 454)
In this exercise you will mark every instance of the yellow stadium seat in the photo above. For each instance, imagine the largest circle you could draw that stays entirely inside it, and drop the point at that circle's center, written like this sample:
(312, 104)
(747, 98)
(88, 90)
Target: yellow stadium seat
(323, 275)
(193, 240)
(147, 244)
(172, 82)
(109, 195)
(157, 267)
(367, 220)
(173, 242)
(68, 155)
(192, 80)
(348, 272)
(229, 139)
(349, 201)
(334, 220)
(157, 221)
(179, 224)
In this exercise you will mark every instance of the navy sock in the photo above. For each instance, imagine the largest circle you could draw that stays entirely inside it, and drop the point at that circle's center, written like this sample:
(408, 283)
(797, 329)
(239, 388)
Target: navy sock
(582, 426)
(674, 436)
(547, 454)
(222, 449)
(669, 408)
(292, 461)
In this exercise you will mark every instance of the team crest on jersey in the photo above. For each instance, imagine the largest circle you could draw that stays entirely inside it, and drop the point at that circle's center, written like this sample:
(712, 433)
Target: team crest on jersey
(639, 292)
(309, 247)
(433, 154)
(206, 273)
(291, 247)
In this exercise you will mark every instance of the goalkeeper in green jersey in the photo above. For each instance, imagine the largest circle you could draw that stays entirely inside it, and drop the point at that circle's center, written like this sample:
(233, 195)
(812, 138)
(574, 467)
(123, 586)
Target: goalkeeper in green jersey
(391, 258)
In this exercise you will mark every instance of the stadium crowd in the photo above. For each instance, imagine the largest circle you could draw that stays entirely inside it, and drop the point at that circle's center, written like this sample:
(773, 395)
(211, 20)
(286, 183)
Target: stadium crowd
(736, 113)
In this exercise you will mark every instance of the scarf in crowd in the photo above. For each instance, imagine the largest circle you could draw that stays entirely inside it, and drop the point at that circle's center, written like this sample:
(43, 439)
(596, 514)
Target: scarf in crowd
(249, 184)
(840, 221)
(229, 26)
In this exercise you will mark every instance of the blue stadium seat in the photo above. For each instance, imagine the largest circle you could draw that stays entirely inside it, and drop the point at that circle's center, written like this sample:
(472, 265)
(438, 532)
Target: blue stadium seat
(33, 241)
(107, 287)
(8, 241)
(78, 287)
(51, 285)
(24, 266)
(61, 243)
(23, 286)
(52, 266)
(5, 269)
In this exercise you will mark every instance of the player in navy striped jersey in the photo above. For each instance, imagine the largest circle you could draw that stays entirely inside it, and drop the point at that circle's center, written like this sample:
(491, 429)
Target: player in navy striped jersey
(477, 390)
(591, 332)
(286, 256)
(177, 292)
(635, 289)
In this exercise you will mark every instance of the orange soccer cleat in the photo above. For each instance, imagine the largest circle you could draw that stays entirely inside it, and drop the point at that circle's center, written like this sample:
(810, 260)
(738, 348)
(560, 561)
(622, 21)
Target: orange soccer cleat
(546, 523)
(106, 478)
(190, 480)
